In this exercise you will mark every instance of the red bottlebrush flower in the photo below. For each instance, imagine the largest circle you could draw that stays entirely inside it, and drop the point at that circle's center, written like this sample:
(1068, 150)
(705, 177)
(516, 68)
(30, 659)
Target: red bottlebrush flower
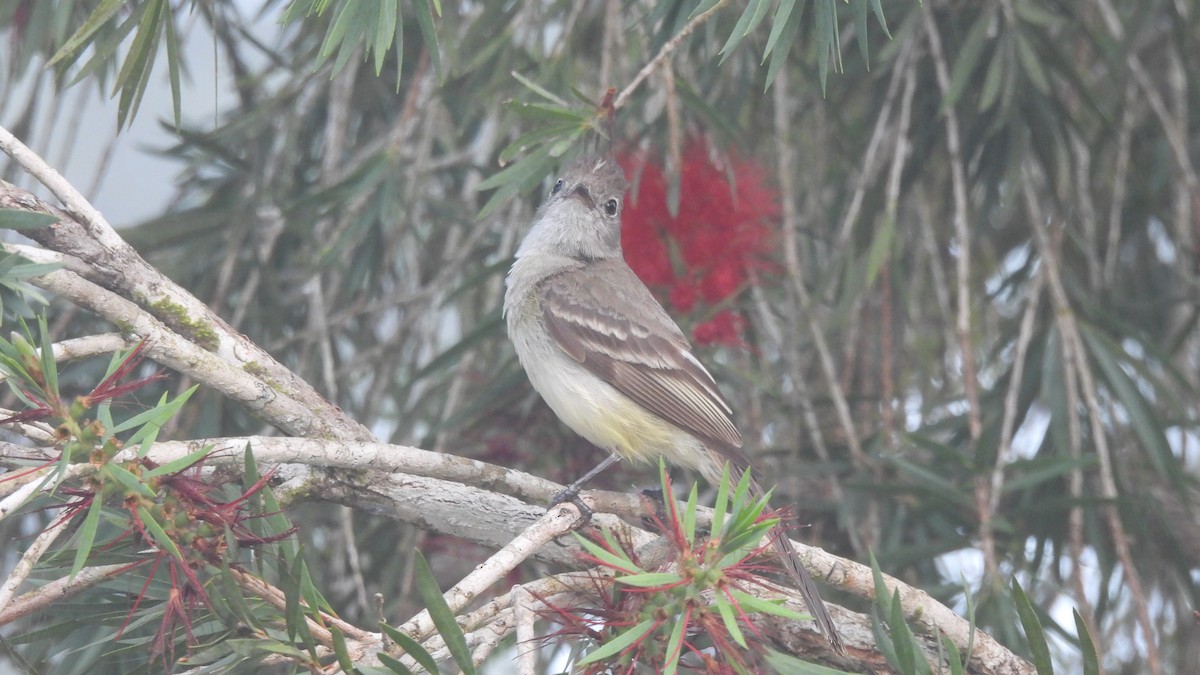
(724, 328)
(683, 296)
(723, 231)
(694, 601)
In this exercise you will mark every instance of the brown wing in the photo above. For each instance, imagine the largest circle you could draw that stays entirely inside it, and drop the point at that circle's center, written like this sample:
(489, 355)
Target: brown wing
(605, 318)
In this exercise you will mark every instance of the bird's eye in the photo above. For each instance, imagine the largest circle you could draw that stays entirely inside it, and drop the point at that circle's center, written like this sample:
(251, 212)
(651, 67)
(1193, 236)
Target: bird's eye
(557, 187)
(610, 207)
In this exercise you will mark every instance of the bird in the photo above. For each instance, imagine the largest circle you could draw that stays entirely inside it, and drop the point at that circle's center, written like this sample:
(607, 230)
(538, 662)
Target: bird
(610, 361)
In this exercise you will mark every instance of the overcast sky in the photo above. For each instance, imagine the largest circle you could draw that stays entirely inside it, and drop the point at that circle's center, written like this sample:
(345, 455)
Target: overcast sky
(136, 183)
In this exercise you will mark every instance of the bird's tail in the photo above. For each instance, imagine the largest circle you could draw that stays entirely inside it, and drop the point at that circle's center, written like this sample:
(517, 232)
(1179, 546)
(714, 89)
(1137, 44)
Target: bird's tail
(790, 559)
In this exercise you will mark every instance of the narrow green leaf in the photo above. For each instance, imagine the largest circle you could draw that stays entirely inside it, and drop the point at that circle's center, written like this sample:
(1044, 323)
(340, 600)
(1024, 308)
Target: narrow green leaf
(689, 516)
(969, 597)
(540, 90)
(395, 666)
(650, 579)
(104, 414)
(730, 619)
(619, 643)
(99, 16)
(606, 556)
(1039, 471)
(825, 35)
(1038, 647)
(514, 173)
(880, 251)
(293, 611)
(883, 641)
(30, 270)
(429, 35)
(739, 493)
(783, 34)
(158, 534)
(963, 72)
(385, 31)
(513, 179)
(233, 595)
(150, 421)
(877, 8)
(953, 656)
(340, 650)
(1087, 648)
(674, 644)
(702, 8)
(17, 219)
(860, 28)
(882, 596)
(298, 10)
(543, 133)
(1031, 12)
(754, 13)
(338, 28)
(549, 113)
(87, 535)
(308, 589)
(442, 616)
(908, 653)
(173, 61)
(1141, 415)
(178, 464)
(782, 13)
(139, 60)
(1031, 64)
(994, 77)
(786, 663)
(411, 647)
(750, 603)
(46, 358)
(934, 483)
(130, 482)
(722, 503)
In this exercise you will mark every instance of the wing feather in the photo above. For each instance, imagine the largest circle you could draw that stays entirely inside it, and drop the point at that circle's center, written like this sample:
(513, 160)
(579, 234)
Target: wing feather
(605, 318)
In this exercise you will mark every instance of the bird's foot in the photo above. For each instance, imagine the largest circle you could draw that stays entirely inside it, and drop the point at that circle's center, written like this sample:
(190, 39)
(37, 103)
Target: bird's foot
(571, 494)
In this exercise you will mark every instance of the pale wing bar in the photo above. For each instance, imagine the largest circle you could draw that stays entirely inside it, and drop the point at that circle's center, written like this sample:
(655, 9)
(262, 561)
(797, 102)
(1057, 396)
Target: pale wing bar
(658, 372)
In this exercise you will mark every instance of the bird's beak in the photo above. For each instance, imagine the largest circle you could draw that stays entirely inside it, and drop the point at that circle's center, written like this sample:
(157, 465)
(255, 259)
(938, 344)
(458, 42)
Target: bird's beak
(581, 193)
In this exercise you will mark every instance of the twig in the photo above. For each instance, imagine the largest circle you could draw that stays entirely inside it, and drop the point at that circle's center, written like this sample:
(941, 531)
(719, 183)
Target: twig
(665, 51)
(277, 599)
(1120, 178)
(962, 232)
(869, 163)
(899, 156)
(38, 432)
(791, 250)
(58, 590)
(30, 558)
(39, 481)
(557, 522)
(526, 617)
(174, 351)
(1007, 428)
(83, 233)
(1072, 341)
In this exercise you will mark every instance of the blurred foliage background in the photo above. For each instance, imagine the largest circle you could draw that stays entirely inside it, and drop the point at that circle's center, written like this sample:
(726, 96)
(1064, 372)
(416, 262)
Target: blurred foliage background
(968, 341)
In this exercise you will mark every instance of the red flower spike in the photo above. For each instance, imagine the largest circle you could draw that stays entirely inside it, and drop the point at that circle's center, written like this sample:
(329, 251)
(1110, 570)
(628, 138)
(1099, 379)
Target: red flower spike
(669, 605)
(722, 233)
(683, 296)
(724, 328)
(109, 387)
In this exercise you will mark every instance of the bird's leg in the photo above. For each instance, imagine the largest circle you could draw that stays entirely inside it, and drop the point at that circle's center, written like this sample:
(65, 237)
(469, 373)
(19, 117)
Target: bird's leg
(571, 494)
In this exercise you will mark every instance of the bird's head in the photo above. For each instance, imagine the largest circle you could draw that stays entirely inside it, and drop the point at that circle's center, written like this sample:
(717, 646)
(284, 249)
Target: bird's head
(581, 218)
